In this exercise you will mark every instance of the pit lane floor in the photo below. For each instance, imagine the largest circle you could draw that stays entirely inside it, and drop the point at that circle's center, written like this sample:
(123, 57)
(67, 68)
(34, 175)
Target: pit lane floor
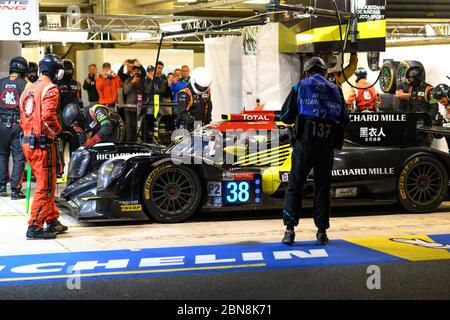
(411, 250)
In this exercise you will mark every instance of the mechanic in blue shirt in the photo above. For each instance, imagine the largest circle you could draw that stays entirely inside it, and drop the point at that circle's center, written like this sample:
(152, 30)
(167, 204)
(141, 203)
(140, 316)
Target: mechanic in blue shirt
(320, 120)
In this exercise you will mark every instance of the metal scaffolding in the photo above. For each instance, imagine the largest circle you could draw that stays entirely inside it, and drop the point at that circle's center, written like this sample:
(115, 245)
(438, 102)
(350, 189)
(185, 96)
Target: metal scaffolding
(101, 28)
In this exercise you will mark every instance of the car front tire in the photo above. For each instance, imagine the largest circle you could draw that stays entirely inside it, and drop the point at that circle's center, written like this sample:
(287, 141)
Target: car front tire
(171, 193)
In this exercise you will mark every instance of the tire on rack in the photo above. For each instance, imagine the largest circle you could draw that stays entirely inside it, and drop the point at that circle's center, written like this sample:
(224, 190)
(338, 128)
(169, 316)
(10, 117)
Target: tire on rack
(171, 193)
(388, 76)
(404, 67)
(422, 184)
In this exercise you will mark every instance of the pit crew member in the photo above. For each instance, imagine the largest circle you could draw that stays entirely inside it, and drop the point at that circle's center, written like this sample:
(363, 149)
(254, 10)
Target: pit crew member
(93, 124)
(321, 111)
(40, 125)
(11, 88)
(194, 101)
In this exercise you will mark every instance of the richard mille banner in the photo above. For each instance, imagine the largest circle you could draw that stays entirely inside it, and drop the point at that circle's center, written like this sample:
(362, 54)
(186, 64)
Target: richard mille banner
(19, 20)
(383, 129)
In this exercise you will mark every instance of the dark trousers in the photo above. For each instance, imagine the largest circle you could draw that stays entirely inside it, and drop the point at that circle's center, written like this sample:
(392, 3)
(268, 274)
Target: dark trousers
(130, 126)
(10, 144)
(68, 136)
(307, 156)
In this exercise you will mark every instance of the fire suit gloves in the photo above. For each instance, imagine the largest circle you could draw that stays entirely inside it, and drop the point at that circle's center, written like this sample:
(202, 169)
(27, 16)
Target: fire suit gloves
(93, 141)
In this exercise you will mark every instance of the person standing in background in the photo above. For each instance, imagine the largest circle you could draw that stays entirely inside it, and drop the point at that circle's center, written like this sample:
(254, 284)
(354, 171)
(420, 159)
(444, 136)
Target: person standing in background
(90, 84)
(366, 96)
(33, 72)
(133, 88)
(11, 89)
(182, 83)
(108, 85)
(70, 92)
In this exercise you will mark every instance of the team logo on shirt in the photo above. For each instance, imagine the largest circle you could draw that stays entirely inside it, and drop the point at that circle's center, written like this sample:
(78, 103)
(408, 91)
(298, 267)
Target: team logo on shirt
(9, 98)
(29, 106)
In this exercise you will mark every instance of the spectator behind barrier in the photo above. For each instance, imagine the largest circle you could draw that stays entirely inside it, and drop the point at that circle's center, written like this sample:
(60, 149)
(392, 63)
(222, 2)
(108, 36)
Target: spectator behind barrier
(90, 84)
(107, 86)
(133, 88)
(160, 85)
(182, 83)
(130, 64)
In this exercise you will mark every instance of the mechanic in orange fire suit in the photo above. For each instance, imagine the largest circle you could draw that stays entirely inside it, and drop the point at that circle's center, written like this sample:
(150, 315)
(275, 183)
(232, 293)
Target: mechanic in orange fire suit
(40, 125)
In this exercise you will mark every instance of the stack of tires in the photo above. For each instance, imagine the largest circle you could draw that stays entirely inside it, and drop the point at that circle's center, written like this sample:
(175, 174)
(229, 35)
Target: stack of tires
(393, 73)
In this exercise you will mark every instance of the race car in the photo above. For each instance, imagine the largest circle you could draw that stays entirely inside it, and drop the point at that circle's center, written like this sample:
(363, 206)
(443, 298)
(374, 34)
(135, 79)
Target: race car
(242, 163)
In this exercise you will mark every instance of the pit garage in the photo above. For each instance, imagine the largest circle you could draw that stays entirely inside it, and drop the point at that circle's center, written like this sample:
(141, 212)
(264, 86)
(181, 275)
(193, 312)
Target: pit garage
(166, 209)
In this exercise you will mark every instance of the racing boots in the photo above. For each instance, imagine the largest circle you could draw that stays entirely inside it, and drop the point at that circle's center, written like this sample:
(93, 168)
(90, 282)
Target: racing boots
(17, 194)
(289, 237)
(322, 238)
(37, 233)
(3, 192)
(54, 226)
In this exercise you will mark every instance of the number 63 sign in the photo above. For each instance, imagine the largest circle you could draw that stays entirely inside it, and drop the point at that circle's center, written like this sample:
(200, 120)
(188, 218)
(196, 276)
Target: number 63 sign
(19, 20)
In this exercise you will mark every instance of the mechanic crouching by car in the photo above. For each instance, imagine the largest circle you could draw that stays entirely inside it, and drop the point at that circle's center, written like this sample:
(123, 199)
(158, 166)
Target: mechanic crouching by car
(321, 116)
(40, 125)
(441, 93)
(11, 88)
(93, 124)
(194, 101)
(421, 100)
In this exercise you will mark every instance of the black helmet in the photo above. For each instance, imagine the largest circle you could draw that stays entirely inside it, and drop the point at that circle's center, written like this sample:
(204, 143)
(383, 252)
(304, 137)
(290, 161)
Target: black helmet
(361, 73)
(71, 113)
(52, 66)
(315, 63)
(440, 91)
(33, 72)
(32, 67)
(415, 75)
(68, 65)
(18, 65)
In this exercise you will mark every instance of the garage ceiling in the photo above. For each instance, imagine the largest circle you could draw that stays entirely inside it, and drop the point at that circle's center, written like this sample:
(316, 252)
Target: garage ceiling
(410, 19)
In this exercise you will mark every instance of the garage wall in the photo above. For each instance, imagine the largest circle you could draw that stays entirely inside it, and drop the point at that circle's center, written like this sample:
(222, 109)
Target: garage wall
(8, 50)
(275, 72)
(223, 60)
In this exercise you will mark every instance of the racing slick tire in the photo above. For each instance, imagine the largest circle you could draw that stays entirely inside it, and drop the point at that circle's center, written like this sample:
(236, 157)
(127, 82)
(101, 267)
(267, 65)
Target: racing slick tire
(171, 193)
(388, 76)
(422, 184)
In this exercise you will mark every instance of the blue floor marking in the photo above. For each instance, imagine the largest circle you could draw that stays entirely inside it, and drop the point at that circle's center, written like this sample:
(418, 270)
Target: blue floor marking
(259, 256)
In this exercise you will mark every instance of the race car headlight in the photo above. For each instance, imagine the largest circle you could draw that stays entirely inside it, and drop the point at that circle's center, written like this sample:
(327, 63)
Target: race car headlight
(78, 164)
(109, 171)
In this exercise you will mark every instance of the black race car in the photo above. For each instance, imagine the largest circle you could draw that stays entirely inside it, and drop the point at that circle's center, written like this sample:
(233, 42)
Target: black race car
(242, 163)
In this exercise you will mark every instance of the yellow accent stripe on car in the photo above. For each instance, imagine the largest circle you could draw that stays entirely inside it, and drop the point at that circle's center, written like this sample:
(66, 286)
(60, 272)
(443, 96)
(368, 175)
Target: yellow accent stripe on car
(262, 155)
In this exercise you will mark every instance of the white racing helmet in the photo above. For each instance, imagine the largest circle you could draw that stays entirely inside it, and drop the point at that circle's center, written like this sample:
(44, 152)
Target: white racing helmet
(201, 80)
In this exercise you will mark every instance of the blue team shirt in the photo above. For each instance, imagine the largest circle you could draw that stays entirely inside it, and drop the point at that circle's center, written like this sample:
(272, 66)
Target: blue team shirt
(319, 98)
